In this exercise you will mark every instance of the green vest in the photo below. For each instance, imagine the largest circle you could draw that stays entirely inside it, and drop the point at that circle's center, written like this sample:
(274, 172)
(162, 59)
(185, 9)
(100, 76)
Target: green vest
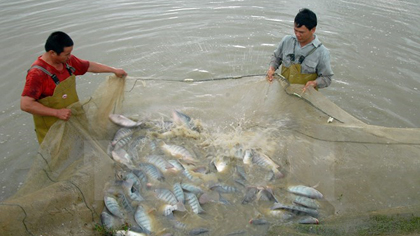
(64, 95)
(294, 72)
(294, 75)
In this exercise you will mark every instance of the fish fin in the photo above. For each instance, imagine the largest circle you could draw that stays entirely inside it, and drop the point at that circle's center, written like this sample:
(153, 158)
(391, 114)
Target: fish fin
(180, 207)
(277, 173)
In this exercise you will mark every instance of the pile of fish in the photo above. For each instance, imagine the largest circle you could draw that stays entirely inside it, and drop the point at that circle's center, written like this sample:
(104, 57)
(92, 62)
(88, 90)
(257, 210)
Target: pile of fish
(170, 180)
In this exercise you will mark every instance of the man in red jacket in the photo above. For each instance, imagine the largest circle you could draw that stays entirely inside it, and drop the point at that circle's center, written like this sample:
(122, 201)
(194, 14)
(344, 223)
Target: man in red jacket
(50, 83)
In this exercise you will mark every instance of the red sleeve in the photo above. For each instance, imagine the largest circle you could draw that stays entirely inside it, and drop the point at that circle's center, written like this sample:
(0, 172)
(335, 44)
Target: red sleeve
(80, 65)
(36, 81)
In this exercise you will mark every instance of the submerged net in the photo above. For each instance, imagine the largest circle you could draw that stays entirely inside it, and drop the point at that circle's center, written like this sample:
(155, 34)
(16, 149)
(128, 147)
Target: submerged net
(236, 125)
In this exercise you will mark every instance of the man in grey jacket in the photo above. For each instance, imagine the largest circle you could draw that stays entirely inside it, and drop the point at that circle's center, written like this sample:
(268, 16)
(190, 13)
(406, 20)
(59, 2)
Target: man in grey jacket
(303, 58)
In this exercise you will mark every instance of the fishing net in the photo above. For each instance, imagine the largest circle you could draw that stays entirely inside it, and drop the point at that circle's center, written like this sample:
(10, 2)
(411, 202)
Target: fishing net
(361, 170)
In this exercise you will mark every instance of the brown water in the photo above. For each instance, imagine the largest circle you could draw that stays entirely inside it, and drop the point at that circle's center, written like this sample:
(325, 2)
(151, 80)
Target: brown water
(375, 49)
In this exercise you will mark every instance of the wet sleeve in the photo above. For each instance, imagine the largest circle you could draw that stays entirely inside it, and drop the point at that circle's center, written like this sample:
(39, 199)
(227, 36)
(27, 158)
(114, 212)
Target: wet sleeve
(276, 58)
(34, 84)
(80, 65)
(324, 70)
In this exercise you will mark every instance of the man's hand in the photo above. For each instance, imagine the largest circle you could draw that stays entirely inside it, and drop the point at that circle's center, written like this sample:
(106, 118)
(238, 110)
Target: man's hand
(311, 83)
(120, 73)
(270, 74)
(63, 114)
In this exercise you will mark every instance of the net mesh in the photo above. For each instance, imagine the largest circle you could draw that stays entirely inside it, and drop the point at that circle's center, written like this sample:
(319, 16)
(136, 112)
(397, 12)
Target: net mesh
(360, 169)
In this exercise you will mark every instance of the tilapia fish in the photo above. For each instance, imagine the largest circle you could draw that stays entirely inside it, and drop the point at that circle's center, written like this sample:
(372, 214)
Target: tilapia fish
(121, 133)
(128, 233)
(305, 191)
(182, 119)
(179, 152)
(263, 160)
(306, 202)
(221, 163)
(113, 206)
(121, 156)
(123, 121)
(298, 210)
(143, 219)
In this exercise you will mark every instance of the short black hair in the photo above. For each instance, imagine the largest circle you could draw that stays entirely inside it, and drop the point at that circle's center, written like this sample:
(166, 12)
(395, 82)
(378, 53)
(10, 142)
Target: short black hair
(307, 18)
(57, 41)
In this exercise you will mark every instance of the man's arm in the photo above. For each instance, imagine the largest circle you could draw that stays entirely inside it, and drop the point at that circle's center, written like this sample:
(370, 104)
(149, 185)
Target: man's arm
(95, 67)
(30, 105)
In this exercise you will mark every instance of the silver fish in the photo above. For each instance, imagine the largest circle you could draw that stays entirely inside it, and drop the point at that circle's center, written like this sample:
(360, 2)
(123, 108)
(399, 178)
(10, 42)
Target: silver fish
(109, 221)
(190, 175)
(221, 163)
(168, 209)
(123, 121)
(134, 178)
(178, 166)
(141, 175)
(263, 160)
(169, 197)
(179, 193)
(191, 188)
(266, 194)
(250, 195)
(113, 206)
(159, 162)
(247, 157)
(179, 152)
(241, 172)
(306, 191)
(122, 142)
(125, 203)
(121, 133)
(121, 156)
(166, 195)
(194, 203)
(308, 220)
(198, 231)
(298, 210)
(152, 171)
(222, 188)
(132, 192)
(182, 119)
(306, 202)
(143, 220)
(128, 233)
